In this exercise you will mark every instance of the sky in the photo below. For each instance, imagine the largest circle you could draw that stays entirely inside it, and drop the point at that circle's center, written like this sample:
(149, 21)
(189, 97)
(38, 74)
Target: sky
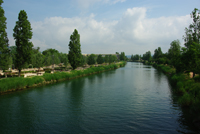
(105, 26)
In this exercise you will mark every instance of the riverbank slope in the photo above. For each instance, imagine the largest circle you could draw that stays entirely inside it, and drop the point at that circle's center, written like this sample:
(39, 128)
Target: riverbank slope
(20, 83)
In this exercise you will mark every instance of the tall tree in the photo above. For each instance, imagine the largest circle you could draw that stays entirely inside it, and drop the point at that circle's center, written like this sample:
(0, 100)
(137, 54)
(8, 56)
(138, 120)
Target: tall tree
(174, 54)
(22, 35)
(192, 41)
(4, 46)
(75, 56)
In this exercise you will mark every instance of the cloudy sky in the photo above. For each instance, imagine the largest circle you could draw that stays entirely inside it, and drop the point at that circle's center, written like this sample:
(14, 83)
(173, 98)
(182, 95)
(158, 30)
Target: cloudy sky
(105, 26)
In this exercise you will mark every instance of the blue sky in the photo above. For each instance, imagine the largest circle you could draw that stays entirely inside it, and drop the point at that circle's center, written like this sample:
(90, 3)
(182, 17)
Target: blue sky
(105, 26)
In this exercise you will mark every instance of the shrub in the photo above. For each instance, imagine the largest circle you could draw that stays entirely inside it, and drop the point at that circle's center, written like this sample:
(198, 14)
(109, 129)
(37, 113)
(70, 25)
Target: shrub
(185, 100)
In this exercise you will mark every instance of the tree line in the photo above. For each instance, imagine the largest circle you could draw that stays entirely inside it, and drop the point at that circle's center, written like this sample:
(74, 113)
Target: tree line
(183, 59)
(24, 55)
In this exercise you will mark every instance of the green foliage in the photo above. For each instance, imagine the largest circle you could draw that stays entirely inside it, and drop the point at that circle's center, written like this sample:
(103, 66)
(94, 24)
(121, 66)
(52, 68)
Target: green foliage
(64, 59)
(122, 56)
(191, 58)
(37, 60)
(106, 59)
(4, 50)
(197, 78)
(91, 59)
(22, 35)
(147, 56)
(84, 60)
(51, 51)
(185, 100)
(100, 59)
(112, 58)
(75, 56)
(191, 54)
(135, 57)
(157, 53)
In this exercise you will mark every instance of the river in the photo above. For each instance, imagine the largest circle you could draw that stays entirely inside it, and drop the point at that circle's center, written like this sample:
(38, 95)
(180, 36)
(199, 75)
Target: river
(133, 99)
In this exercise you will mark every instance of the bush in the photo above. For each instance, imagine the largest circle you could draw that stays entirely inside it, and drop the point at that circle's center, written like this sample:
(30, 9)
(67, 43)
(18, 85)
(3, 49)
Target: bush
(185, 100)
(197, 78)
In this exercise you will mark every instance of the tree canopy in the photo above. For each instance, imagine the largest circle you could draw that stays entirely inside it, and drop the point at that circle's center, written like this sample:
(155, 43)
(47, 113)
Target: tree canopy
(100, 59)
(75, 56)
(22, 35)
(4, 46)
(91, 59)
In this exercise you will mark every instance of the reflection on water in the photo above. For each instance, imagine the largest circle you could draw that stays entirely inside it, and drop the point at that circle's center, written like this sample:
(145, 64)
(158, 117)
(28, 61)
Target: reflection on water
(133, 99)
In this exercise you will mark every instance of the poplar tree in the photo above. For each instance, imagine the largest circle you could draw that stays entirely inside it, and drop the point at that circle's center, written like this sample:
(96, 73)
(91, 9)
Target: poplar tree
(4, 46)
(75, 56)
(22, 35)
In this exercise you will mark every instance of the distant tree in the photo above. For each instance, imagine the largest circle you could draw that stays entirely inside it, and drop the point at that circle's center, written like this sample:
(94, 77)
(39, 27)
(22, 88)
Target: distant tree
(64, 59)
(106, 59)
(114, 58)
(84, 60)
(4, 46)
(48, 59)
(157, 53)
(22, 35)
(122, 56)
(51, 51)
(132, 57)
(91, 59)
(38, 60)
(100, 59)
(55, 58)
(147, 56)
(135, 57)
(75, 56)
(174, 55)
(110, 59)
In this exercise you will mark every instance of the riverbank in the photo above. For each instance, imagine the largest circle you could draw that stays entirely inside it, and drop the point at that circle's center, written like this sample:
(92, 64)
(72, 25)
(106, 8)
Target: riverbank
(188, 91)
(20, 83)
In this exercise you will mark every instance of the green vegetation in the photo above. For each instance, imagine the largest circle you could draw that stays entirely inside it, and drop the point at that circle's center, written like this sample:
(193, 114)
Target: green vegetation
(185, 87)
(18, 83)
(4, 50)
(100, 59)
(12, 84)
(75, 56)
(22, 35)
(91, 59)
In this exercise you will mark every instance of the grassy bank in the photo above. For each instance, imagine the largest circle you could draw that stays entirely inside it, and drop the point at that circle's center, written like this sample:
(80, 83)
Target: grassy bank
(19, 83)
(188, 90)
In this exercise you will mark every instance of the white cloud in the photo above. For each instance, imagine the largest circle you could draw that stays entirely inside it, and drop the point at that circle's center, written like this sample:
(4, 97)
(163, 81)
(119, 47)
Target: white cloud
(133, 33)
(88, 3)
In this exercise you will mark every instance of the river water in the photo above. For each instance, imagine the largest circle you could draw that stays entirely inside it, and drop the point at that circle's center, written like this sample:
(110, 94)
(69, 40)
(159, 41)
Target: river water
(134, 99)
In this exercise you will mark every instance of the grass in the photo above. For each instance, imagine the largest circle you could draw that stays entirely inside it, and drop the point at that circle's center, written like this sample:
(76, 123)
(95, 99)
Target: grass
(16, 83)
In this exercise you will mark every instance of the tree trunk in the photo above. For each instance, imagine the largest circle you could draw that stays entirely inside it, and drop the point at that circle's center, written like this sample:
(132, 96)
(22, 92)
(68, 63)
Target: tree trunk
(19, 72)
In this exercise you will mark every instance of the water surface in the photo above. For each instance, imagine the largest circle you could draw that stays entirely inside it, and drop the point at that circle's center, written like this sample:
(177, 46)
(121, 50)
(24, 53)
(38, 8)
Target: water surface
(133, 99)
